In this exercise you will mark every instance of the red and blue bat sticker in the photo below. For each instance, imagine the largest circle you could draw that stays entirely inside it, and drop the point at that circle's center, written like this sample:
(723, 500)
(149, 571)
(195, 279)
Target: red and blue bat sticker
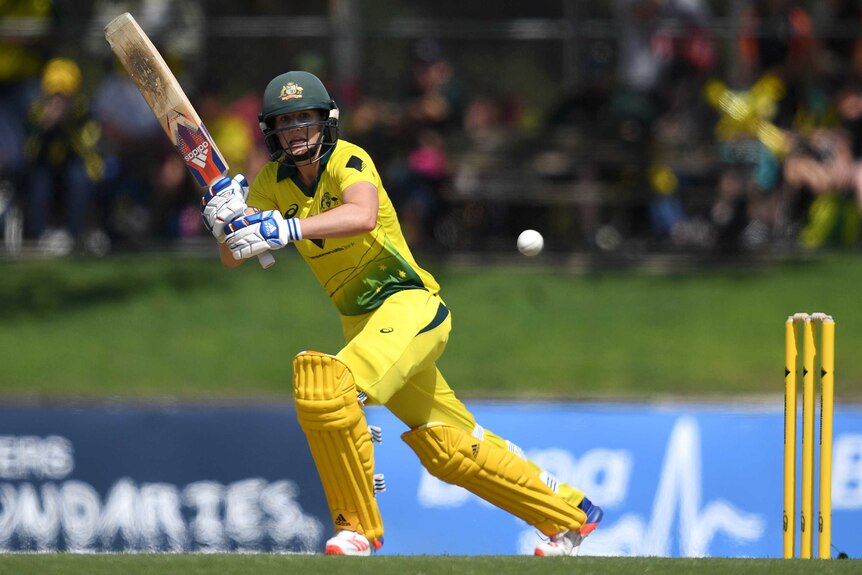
(195, 146)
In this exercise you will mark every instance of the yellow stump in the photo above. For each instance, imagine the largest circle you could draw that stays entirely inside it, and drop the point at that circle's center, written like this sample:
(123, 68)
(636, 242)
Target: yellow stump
(813, 325)
(789, 438)
(806, 530)
(827, 368)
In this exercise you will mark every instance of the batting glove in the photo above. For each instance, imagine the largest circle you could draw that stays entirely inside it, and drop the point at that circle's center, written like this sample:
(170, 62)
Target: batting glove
(251, 235)
(224, 202)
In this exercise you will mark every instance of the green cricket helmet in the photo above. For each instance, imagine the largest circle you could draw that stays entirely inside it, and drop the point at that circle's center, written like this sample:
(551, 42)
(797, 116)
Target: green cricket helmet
(294, 92)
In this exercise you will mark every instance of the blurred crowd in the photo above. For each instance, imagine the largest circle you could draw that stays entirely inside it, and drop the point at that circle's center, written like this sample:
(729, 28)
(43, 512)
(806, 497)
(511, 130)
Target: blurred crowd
(729, 146)
(675, 135)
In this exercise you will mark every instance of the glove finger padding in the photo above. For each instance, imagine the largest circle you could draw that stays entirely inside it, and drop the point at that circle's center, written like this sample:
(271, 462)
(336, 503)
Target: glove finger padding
(242, 182)
(252, 235)
(224, 202)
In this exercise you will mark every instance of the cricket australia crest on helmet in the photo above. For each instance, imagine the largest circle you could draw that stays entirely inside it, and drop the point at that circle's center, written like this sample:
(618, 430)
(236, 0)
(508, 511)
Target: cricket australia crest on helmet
(294, 92)
(290, 91)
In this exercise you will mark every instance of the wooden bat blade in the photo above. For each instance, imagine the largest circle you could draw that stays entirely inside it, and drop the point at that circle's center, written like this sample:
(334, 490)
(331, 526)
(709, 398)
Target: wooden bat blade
(166, 99)
(169, 103)
(146, 66)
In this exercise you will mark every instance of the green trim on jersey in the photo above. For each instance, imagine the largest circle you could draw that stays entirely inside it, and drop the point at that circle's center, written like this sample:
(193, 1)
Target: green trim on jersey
(286, 170)
(359, 272)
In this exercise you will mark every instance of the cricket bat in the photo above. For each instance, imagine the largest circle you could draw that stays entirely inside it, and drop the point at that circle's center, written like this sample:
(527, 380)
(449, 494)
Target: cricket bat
(169, 103)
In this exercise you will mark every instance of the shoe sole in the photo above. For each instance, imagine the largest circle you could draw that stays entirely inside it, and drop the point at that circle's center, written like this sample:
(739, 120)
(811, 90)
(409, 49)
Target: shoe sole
(336, 550)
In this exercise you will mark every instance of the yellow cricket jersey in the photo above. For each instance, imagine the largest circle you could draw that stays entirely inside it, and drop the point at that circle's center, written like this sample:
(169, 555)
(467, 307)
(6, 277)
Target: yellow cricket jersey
(358, 272)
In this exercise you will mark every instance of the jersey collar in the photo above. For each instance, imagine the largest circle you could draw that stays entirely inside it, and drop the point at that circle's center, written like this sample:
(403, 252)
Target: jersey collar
(289, 171)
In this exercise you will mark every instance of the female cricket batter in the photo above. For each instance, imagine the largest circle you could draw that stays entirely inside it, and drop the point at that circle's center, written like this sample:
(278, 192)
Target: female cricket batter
(326, 197)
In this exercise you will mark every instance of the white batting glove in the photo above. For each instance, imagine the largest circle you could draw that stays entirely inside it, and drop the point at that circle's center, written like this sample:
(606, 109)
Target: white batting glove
(252, 235)
(224, 202)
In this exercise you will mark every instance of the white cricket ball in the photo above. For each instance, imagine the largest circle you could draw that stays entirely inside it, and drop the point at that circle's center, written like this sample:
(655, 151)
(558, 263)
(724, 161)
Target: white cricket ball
(530, 242)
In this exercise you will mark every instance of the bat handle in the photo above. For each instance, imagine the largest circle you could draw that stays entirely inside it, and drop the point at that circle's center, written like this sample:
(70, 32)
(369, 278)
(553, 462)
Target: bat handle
(266, 260)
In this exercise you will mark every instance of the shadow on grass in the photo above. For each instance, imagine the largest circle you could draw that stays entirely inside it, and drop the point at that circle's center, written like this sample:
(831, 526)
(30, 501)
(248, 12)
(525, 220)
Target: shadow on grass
(39, 289)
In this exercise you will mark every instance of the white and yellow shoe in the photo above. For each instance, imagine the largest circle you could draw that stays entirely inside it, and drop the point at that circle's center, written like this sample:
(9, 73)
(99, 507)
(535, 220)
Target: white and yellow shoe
(352, 543)
(568, 543)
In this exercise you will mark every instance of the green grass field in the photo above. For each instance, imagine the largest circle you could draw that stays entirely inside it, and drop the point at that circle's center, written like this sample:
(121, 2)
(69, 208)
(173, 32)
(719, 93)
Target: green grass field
(149, 326)
(416, 565)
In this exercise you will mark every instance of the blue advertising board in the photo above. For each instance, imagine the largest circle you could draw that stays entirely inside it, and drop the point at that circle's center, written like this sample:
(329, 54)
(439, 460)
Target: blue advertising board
(674, 480)
(158, 479)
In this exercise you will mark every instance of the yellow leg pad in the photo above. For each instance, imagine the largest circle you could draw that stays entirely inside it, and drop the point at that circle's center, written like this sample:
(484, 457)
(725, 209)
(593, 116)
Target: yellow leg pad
(334, 424)
(494, 474)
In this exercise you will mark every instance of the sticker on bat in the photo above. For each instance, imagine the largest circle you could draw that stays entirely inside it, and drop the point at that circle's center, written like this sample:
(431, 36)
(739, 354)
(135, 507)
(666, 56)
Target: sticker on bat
(192, 141)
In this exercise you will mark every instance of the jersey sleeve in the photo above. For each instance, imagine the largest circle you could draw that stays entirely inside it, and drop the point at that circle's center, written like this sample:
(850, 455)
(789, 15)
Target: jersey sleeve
(355, 165)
